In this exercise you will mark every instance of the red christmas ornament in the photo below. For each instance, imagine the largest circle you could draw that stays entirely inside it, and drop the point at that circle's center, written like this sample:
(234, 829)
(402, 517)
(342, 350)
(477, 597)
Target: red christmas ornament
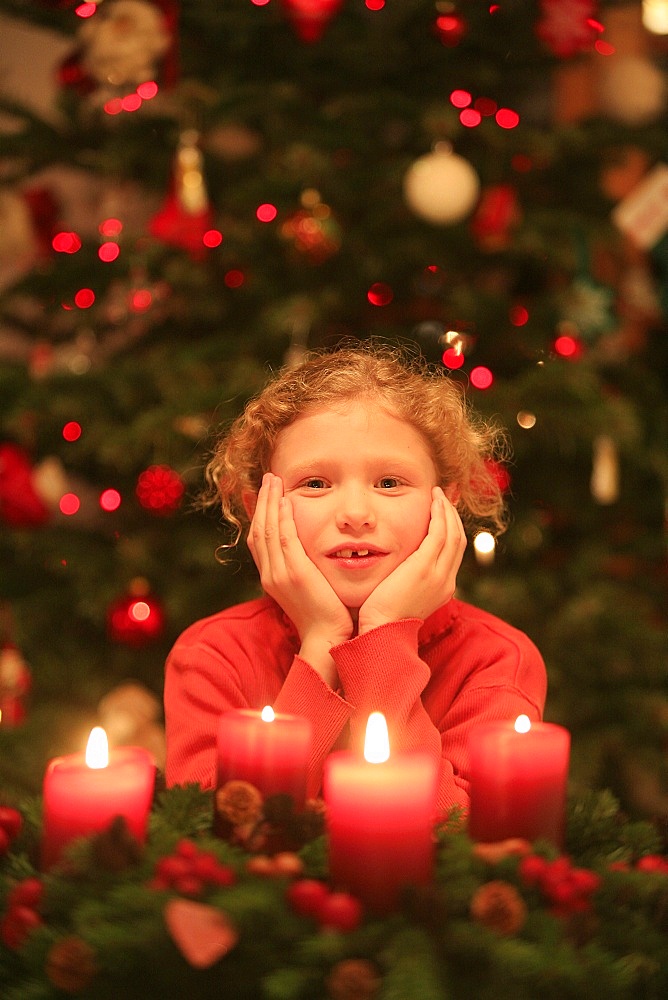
(20, 504)
(15, 684)
(186, 214)
(495, 217)
(137, 618)
(160, 490)
(309, 18)
(567, 27)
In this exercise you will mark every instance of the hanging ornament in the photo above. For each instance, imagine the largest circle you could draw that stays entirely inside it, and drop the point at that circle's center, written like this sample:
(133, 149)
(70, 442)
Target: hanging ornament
(137, 618)
(160, 490)
(496, 215)
(15, 683)
(72, 75)
(441, 187)
(21, 506)
(122, 43)
(186, 214)
(312, 230)
(567, 27)
(310, 18)
(604, 482)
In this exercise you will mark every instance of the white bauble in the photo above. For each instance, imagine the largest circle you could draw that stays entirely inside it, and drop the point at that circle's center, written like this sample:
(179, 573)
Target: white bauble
(632, 90)
(441, 187)
(123, 41)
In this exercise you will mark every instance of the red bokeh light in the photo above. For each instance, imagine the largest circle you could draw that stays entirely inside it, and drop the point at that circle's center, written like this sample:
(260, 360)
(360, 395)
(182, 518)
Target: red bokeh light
(141, 300)
(147, 90)
(84, 298)
(470, 117)
(66, 243)
(108, 252)
(486, 106)
(72, 430)
(110, 500)
(604, 48)
(567, 347)
(507, 118)
(380, 294)
(212, 238)
(85, 9)
(518, 315)
(460, 98)
(131, 102)
(113, 106)
(110, 228)
(69, 503)
(374, 4)
(234, 278)
(452, 358)
(481, 377)
(266, 212)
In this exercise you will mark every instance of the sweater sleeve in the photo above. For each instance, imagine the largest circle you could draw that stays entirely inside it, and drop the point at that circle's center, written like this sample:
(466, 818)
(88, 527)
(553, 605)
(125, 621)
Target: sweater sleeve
(435, 712)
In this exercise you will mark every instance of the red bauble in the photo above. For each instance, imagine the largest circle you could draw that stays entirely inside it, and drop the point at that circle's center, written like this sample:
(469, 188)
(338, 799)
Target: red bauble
(567, 27)
(309, 18)
(20, 504)
(137, 618)
(160, 490)
(174, 225)
(496, 215)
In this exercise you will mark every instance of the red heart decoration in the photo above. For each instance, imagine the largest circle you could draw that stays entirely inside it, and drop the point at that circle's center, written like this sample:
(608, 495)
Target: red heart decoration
(200, 932)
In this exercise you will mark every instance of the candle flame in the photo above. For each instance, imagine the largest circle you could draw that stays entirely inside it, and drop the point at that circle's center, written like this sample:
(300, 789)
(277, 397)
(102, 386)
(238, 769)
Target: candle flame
(377, 741)
(522, 724)
(267, 714)
(97, 748)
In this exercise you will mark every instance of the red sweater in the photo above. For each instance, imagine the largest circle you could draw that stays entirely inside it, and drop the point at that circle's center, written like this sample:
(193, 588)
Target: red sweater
(433, 681)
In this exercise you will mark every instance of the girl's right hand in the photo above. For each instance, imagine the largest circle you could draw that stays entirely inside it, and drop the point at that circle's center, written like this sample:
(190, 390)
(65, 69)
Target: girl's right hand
(293, 580)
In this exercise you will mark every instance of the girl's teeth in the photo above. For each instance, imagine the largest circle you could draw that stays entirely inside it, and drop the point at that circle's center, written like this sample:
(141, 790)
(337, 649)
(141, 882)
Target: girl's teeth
(349, 553)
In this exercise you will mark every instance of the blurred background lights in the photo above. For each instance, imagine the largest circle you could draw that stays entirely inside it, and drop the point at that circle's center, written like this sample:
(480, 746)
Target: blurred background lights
(147, 90)
(567, 347)
(110, 500)
(141, 300)
(85, 9)
(212, 238)
(604, 48)
(453, 357)
(266, 212)
(486, 106)
(526, 419)
(484, 545)
(110, 228)
(131, 102)
(108, 252)
(84, 298)
(114, 106)
(380, 294)
(374, 4)
(234, 278)
(481, 377)
(507, 118)
(69, 504)
(460, 98)
(655, 16)
(66, 243)
(518, 315)
(469, 117)
(72, 430)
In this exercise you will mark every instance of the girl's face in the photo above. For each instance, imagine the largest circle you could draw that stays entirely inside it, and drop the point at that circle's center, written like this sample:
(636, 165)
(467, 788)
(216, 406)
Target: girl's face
(360, 481)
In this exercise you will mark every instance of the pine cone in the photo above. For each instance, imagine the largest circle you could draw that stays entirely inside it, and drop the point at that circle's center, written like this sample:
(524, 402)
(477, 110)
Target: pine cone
(353, 979)
(71, 965)
(115, 849)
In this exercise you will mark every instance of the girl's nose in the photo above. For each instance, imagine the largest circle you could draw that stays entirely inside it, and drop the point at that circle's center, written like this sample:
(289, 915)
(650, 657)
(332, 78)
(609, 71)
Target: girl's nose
(355, 509)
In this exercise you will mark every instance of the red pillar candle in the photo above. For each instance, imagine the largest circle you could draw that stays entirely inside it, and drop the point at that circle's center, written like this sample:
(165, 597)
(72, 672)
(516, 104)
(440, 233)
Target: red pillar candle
(519, 777)
(82, 794)
(270, 751)
(380, 818)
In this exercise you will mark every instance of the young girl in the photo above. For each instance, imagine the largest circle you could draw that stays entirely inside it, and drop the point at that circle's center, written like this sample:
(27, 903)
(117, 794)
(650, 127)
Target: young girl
(353, 471)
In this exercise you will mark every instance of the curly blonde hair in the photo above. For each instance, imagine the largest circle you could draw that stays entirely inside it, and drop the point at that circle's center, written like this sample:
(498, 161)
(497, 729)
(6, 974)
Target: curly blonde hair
(463, 444)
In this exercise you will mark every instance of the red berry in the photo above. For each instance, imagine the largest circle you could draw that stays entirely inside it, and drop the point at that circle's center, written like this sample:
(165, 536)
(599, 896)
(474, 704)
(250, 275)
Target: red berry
(186, 849)
(17, 925)
(652, 863)
(26, 893)
(223, 876)
(586, 881)
(340, 911)
(306, 896)
(532, 868)
(11, 821)
(173, 867)
(5, 841)
(288, 863)
(189, 885)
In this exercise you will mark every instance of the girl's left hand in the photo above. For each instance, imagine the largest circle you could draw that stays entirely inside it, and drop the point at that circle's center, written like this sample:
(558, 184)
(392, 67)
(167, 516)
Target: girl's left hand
(427, 578)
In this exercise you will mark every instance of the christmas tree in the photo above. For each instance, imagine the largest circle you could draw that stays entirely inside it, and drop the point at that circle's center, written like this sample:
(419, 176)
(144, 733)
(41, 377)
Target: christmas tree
(218, 187)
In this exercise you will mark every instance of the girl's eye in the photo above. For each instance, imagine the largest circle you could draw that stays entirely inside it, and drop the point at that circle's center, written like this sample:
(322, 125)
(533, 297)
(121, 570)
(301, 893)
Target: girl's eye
(314, 484)
(388, 482)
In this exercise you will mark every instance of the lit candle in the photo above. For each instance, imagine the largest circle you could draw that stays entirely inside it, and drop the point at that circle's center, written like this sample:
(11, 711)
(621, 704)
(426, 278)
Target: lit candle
(380, 818)
(519, 777)
(84, 792)
(270, 751)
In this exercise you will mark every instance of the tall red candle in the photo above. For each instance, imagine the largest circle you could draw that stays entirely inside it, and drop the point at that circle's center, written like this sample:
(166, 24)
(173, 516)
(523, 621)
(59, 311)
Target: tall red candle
(80, 800)
(270, 752)
(380, 820)
(519, 779)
